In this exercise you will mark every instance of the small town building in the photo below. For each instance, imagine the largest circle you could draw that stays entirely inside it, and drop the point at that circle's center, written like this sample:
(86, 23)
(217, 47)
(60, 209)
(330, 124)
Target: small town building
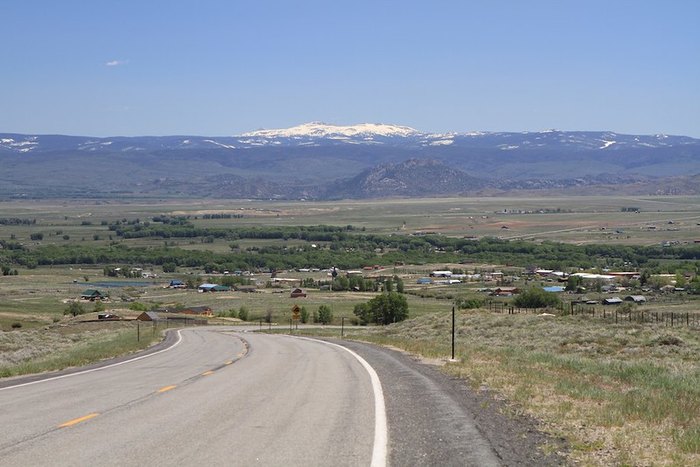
(612, 301)
(149, 316)
(213, 288)
(595, 277)
(636, 298)
(92, 295)
(505, 291)
(177, 284)
(441, 274)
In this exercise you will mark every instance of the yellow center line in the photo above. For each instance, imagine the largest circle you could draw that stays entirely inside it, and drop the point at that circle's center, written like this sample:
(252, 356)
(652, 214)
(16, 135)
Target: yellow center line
(207, 373)
(228, 362)
(166, 388)
(75, 421)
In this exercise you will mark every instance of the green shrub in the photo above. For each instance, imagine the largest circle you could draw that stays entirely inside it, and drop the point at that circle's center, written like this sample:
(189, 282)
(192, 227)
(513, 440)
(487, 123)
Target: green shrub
(469, 303)
(325, 314)
(536, 297)
(74, 309)
(138, 306)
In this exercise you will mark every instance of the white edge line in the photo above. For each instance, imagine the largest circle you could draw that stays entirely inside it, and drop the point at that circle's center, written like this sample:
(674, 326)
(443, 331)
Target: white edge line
(179, 339)
(381, 433)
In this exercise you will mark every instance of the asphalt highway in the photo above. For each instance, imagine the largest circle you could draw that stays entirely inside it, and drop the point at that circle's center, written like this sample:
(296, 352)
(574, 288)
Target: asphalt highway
(223, 396)
(215, 398)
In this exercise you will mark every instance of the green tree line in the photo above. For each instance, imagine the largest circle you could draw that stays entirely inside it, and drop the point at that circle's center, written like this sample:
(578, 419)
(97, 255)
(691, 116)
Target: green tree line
(353, 250)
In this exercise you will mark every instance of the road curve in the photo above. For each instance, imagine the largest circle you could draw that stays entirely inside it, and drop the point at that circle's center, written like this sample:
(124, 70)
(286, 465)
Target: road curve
(218, 397)
(223, 396)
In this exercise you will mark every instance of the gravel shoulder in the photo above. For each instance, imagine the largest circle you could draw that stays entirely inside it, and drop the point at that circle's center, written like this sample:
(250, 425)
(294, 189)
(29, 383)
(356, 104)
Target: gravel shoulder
(435, 419)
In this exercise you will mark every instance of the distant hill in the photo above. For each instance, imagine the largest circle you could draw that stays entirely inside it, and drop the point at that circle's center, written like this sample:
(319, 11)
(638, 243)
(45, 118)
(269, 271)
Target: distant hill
(411, 178)
(319, 161)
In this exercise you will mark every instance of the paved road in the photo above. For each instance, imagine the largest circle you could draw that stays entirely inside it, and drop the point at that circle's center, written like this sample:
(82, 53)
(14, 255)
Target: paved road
(213, 399)
(221, 396)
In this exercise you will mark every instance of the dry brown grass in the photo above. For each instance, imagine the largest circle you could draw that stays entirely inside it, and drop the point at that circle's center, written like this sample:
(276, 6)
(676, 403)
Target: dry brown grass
(72, 343)
(624, 394)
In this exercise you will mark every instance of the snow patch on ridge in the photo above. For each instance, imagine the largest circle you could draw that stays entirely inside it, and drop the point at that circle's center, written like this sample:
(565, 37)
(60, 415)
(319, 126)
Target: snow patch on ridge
(227, 146)
(19, 146)
(324, 130)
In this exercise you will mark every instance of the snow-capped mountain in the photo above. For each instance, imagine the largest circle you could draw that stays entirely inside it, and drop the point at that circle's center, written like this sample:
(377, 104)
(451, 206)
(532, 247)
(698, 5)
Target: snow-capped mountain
(325, 130)
(317, 154)
(317, 133)
(366, 134)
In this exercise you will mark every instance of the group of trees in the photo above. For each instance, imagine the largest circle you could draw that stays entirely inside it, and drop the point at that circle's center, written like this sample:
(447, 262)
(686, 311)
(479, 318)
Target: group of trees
(181, 228)
(387, 308)
(358, 283)
(323, 315)
(16, 221)
(344, 247)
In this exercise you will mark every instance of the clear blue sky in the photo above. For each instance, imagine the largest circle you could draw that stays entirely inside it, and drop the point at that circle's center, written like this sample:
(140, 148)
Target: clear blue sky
(207, 67)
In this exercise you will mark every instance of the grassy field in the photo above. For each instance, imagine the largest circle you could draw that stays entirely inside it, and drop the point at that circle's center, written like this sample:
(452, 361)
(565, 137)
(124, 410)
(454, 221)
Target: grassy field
(621, 394)
(70, 344)
(567, 219)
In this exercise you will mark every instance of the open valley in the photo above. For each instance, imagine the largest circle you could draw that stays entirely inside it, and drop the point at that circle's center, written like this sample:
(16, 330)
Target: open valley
(615, 384)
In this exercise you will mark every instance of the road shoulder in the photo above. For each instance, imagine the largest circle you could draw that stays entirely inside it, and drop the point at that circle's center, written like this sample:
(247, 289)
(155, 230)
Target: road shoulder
(436, 419)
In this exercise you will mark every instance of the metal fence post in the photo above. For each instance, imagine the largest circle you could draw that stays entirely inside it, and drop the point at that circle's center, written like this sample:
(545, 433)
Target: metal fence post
(453, 332)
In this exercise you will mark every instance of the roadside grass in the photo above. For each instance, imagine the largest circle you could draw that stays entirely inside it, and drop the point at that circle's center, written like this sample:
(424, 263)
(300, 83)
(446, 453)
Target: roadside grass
(56, 348)
(624, 394)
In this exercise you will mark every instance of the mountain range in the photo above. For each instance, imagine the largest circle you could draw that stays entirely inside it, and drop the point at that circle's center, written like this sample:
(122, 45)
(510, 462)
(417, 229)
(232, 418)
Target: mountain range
(321, 161)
